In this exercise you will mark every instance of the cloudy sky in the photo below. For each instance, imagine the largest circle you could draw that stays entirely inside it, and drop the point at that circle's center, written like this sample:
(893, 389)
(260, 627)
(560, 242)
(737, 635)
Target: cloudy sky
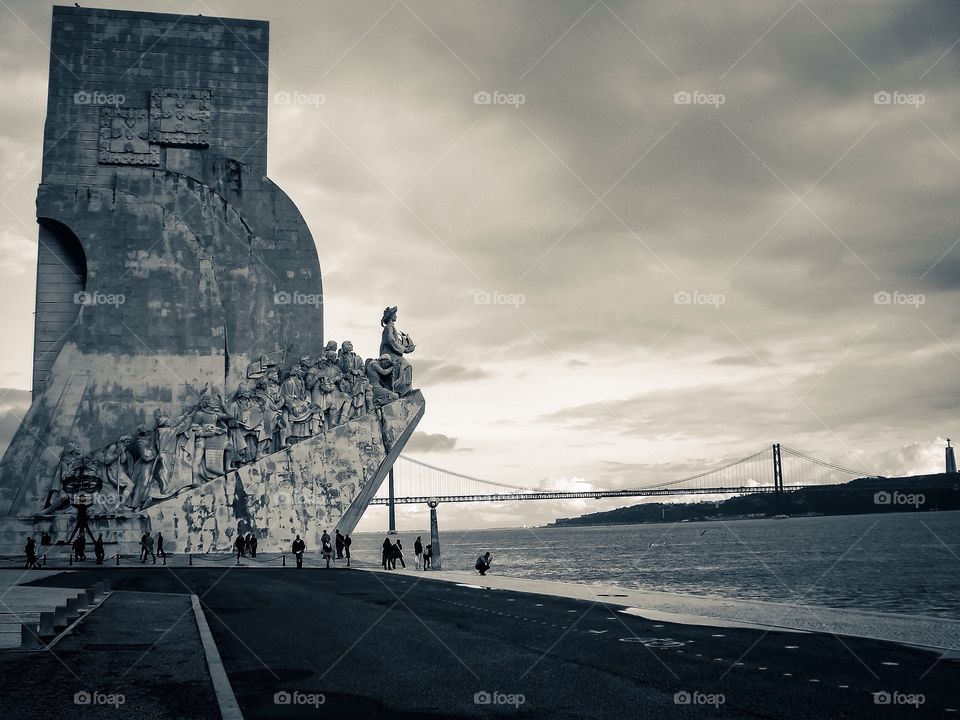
(631, 240)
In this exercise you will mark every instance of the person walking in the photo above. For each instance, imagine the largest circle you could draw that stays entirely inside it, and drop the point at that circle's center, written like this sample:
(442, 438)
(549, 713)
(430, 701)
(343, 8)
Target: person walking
(418, 551)
(240, 546)
(324, 538)
(30, 550)
(339, 543)
(150, 548)
(252, 543)
(347, 542)
(483, 563)
(326, 550)
(160, 551)
(79, 548)
(143, 548)
(98, 552)
(387, 553)
(298, 547)
(398, 555)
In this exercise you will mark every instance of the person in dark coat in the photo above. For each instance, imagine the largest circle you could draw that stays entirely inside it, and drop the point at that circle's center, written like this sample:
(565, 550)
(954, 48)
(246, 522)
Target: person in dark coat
(298, 547)
(428, 557)
(398, 554)
(387, 553)
(483, 563)
(79, 547)
(347, 542)
(241, 546)
(160, 551)
(339, 543)
(252, 543)
(145, 548)
(30, 549)
(98, 550)
(418, 551)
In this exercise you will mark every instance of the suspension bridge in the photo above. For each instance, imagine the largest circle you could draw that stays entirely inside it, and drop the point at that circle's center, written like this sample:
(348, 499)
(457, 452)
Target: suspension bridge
(774, 469)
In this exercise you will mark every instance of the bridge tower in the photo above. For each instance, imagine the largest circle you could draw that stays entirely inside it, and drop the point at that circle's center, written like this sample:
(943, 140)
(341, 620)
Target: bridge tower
(777, 475)
(951, 460)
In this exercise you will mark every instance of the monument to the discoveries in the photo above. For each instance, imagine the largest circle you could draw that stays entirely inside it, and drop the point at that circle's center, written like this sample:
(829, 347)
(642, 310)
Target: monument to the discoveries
(179, 347)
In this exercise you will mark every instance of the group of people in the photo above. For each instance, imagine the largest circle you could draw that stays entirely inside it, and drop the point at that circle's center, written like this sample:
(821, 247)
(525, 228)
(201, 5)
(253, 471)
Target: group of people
(328, 546)
(342, 544)
(79, 546)
(273, 410)
(30, 550)
(147, 548)
(245, 545)
(393, 553)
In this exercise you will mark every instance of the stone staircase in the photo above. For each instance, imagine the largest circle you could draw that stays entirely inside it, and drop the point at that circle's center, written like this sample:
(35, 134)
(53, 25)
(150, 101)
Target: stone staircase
(32, 616)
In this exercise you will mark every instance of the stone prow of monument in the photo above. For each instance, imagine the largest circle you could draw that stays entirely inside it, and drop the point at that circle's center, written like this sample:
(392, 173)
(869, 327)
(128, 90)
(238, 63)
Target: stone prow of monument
(168, 262)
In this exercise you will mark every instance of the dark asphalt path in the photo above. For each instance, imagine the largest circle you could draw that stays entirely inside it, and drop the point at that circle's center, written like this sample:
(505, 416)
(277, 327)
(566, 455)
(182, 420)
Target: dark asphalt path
(138, 655)
(402, 646)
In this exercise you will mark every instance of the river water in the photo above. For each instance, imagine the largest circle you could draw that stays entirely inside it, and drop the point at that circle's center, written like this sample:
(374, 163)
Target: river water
(903, 562)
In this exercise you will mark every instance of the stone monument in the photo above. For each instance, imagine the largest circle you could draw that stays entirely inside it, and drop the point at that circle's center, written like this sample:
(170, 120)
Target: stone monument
(179, 313)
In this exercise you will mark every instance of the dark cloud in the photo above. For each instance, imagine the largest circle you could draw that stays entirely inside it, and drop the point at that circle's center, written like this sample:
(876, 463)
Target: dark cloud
(431, 442)
(436, 372)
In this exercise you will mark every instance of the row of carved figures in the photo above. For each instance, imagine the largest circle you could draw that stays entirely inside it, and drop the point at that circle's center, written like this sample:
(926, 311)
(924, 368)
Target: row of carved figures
(264, 415)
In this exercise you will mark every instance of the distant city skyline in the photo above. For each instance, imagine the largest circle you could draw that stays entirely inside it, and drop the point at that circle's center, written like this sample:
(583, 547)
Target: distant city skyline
(630, 242)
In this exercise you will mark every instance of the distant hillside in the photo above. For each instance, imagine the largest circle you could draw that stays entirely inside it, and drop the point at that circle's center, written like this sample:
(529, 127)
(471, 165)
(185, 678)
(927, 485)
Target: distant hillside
(918, 493)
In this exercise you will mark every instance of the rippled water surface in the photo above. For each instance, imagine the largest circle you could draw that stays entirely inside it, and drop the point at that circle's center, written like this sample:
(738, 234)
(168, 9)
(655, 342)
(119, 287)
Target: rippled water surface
(905, 563)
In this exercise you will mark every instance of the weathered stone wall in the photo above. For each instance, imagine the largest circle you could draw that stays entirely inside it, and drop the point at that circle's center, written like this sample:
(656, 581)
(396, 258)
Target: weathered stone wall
(324, 482)
(119, 52)
(176, 218)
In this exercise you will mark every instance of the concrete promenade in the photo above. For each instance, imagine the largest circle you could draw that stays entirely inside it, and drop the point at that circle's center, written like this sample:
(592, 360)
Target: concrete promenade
(364, 644)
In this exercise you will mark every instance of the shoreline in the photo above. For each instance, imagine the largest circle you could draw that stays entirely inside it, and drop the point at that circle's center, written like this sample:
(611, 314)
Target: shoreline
(917, 631)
